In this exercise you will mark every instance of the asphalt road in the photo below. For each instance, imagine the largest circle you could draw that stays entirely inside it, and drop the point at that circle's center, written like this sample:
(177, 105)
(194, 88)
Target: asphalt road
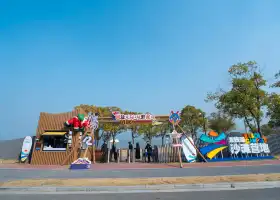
(18, 174)
(262, 194)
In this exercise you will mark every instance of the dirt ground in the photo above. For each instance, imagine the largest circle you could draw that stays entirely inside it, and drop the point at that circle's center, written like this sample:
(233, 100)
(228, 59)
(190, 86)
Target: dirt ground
(8, 161)
(141, 181)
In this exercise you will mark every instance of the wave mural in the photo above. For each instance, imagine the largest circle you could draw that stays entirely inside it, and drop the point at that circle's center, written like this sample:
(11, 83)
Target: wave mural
(207, 139)
(208, 148)
(223, 142)
(213, 153)
(217, 143)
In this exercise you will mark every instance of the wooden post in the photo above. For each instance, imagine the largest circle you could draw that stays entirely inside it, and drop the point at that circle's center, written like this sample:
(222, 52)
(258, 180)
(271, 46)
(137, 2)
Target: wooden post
(85, 154)
(172, 153)
(93, 146)
(74, 150)
(93, 153)
(108, 151)
(193, 144)
(119, 155)
(160, 154)
(128, 156)
(178, 149)
(179, 154)
(133, 155)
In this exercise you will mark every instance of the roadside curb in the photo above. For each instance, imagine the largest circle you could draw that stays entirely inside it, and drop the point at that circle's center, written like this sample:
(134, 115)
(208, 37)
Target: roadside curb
(145, 188)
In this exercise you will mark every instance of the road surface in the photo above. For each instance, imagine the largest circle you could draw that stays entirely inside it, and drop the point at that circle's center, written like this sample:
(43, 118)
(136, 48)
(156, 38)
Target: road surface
(18, 174)
(260, 194)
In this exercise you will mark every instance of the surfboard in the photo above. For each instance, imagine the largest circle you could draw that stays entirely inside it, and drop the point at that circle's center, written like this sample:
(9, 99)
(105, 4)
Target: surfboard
(189, 150)
(26, 148)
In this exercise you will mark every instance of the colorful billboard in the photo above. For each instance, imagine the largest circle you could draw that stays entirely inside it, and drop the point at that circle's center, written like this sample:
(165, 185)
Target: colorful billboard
(221, 147)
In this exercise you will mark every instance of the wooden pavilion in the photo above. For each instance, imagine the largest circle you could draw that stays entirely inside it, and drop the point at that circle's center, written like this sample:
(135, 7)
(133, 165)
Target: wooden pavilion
(51, 146)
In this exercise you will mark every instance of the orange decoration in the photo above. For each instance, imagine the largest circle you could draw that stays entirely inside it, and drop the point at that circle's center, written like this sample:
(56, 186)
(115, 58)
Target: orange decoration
(213, 134)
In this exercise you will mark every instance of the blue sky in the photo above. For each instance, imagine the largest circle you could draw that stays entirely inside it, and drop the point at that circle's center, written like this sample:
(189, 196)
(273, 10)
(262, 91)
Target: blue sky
(139, 55)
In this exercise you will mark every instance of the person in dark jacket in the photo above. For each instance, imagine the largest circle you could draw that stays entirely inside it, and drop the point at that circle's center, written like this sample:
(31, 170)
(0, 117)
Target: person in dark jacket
(155, 153)
(137, 156)
(130, 149)
(130, 146)
(104, 151)
(149, 151)
(113, 153)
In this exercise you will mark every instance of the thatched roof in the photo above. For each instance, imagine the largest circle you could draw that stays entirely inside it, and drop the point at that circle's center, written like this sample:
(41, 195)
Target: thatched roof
(55, 122)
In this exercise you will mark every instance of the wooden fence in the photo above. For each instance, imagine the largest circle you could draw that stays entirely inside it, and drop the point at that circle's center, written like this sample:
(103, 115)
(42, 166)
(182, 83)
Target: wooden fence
(168, 154)
(165, 154)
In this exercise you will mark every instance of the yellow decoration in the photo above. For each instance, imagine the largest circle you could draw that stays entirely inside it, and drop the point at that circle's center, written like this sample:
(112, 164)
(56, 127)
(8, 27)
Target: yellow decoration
(54, 133)
(213, 153)
(23, 159)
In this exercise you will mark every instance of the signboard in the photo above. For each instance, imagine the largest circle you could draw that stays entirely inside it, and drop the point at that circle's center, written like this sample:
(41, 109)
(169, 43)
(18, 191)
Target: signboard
(251, 143)
(220, 147)
(124, 118)
(87, 141)
(174, 118)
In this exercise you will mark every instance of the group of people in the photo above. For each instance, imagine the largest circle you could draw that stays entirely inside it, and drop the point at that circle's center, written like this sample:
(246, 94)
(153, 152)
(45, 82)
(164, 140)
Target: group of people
(149, 153)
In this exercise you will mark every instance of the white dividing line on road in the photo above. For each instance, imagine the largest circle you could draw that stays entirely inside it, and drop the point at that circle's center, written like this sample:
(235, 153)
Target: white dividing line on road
(157, 189)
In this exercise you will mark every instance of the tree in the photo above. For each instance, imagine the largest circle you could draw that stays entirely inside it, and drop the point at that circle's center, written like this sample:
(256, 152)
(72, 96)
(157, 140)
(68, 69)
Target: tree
(192, 119)
(149, 131)
(103, 112)
(274, 105)
(267, 129)
(274, 110)
(112, 130)
(277, 83)
(134, 128)
(163, 129)
(246, 99)
(220, 122)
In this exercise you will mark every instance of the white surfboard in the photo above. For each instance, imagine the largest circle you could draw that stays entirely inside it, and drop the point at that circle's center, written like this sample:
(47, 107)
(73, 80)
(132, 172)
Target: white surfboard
(26, 148)
(189, 150)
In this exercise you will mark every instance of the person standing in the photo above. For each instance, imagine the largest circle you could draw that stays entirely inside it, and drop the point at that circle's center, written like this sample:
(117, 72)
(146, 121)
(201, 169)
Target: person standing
(130, 149)
(137, 156)
(104, 150)
(155, 153)
(149, 151)
(113, 152)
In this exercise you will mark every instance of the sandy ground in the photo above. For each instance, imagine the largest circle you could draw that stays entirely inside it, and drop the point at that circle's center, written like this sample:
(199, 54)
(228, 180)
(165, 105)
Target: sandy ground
(8, 161)
(141, 181)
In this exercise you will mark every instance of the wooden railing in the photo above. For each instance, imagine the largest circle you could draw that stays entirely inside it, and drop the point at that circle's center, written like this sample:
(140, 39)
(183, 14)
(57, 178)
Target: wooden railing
(164, 154)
